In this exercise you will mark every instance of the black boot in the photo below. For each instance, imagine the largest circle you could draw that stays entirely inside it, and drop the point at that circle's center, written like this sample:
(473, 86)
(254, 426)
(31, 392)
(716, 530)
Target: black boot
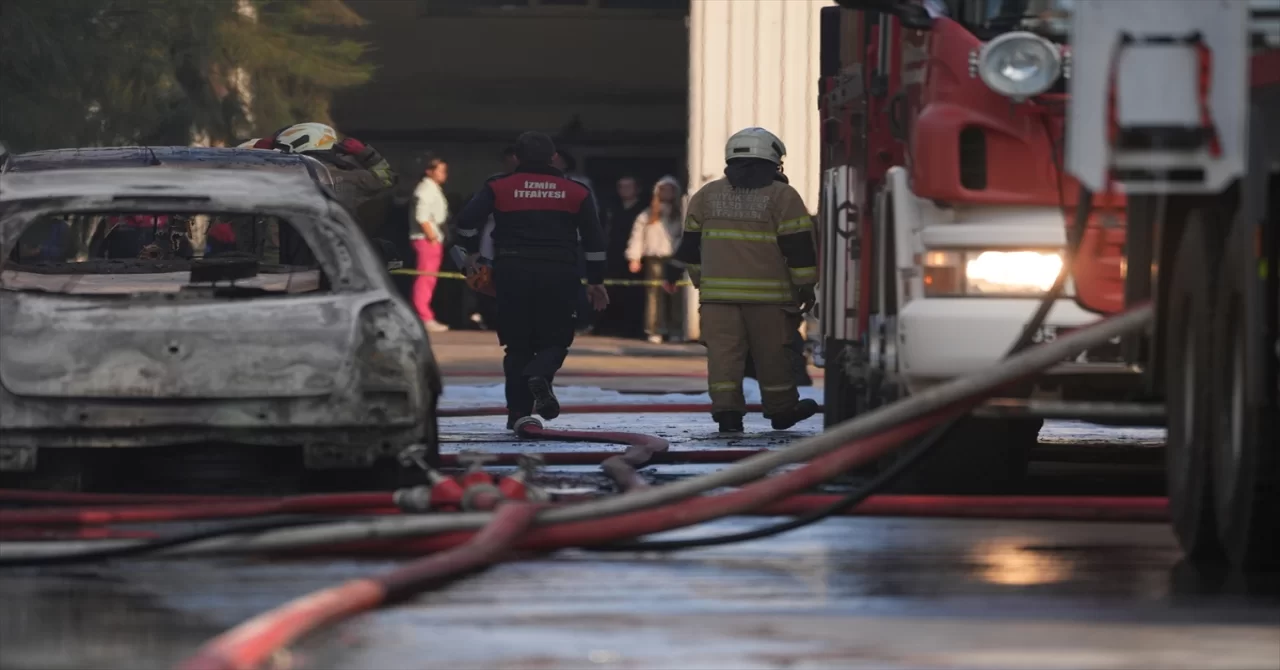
(512, 418)
(730, 422)
(798, 412)
(545, 404)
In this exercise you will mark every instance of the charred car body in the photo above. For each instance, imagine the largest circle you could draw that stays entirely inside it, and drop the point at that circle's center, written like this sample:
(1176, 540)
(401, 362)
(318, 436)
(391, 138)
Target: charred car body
(305, 345)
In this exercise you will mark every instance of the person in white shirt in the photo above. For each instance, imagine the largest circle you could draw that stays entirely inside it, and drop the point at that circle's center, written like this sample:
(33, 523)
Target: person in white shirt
(430, 211)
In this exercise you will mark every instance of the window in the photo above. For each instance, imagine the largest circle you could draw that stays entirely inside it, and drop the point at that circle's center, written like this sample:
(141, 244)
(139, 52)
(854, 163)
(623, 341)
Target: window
(126, 253)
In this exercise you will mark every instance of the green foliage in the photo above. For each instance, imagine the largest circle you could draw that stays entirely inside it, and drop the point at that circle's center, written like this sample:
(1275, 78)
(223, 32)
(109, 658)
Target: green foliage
(110, 72)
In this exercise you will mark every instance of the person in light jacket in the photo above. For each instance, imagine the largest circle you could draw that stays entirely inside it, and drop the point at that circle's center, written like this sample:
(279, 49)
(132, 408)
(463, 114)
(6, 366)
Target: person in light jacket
(654, 239)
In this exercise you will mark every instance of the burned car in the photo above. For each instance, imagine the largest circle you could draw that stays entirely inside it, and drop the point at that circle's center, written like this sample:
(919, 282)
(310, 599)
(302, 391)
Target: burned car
(117, 331)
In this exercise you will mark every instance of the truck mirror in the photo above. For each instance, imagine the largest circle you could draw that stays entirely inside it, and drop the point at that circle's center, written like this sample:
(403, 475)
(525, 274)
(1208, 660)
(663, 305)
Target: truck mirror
(911, 15)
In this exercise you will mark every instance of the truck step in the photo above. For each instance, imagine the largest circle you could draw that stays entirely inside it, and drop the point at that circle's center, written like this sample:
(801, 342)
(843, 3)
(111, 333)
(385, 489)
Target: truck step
(1008, 408)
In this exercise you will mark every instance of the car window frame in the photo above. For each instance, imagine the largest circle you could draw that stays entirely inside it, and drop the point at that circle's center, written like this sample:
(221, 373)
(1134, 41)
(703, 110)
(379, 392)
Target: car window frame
(338, 252)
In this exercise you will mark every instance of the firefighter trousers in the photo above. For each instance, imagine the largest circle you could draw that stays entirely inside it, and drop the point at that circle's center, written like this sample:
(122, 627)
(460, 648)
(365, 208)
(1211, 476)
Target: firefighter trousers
(536, 309)
(733, 331)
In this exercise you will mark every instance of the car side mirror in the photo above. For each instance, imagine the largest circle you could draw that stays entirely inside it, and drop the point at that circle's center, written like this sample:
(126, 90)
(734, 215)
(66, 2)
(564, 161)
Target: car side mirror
(911, 15)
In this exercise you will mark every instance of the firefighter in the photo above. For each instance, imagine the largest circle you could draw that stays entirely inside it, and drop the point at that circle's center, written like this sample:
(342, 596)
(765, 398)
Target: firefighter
(749, 248)
(538, 216)
(361, 175)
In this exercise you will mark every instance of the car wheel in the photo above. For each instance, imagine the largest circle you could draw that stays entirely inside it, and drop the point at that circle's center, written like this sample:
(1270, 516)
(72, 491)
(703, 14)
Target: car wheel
(1186, 374)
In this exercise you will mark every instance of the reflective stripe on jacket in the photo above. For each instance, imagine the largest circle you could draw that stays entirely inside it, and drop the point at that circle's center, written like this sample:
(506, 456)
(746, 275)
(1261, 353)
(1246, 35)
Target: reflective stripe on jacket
(749, 245)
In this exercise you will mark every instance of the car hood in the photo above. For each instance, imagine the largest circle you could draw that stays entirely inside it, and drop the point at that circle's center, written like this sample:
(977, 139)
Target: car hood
(66, 346)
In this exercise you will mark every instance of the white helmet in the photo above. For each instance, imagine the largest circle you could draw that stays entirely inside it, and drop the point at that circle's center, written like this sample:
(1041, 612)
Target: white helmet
(755, 142)
(304, 137)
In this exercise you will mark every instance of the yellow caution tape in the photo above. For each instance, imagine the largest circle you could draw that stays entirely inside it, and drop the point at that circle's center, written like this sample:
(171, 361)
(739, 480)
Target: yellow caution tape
(607, 282)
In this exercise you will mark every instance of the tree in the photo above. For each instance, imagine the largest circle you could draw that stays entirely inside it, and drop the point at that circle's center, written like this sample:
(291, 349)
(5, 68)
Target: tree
(111, 72)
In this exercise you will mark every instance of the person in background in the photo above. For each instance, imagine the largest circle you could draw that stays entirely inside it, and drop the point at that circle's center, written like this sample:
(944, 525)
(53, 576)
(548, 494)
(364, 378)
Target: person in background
(480, 308)
(567, 164)
(509, 158)
(430, 211)
(624, 317)
(655, 235)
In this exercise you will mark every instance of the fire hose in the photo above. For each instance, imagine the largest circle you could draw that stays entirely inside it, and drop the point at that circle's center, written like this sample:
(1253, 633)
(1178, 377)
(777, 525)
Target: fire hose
(945, 401)
(655, 509)
(638, 513)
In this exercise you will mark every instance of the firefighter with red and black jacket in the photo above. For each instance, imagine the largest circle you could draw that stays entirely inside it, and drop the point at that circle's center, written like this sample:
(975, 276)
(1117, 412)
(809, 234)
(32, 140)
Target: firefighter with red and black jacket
(538, 216)
(750, 250)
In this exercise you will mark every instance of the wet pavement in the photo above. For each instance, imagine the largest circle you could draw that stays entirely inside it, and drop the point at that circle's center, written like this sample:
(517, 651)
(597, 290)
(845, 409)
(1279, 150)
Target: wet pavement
(847, 592)
(844, 593)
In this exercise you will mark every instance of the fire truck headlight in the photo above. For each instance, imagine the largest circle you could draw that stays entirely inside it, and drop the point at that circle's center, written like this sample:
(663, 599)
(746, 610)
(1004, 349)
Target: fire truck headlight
(1011, 272)
(1019, 65)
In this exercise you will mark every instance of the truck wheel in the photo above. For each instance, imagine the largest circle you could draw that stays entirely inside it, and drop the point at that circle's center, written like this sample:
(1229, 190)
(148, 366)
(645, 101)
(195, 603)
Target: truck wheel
(977, 456)
(1243, 455)
(1186, 374)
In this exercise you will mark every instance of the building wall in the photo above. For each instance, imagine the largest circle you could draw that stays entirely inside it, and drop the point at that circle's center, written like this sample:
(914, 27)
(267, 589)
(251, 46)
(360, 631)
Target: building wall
(464, 78)
(755, 63)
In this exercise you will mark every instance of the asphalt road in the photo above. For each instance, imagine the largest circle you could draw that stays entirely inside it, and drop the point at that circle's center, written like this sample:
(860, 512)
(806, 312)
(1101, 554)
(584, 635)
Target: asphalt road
(849, 592)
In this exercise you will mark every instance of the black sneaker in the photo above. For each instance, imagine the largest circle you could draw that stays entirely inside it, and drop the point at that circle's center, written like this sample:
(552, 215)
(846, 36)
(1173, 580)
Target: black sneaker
(545, 404)
(512, 418)
(730, 422)
(798, 412)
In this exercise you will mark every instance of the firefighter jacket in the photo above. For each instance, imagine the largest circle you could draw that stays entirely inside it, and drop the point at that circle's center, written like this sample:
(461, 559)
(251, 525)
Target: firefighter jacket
(357, 180)
(748, 245)
(538, 213)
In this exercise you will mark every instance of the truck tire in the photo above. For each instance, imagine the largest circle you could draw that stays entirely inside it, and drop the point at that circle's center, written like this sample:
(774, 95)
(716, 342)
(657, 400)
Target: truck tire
(1188, 315)
(1243, 455)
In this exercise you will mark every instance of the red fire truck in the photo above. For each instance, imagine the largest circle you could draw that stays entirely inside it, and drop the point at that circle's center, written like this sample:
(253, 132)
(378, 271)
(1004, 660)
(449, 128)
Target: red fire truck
(943, 202)
(949, 153)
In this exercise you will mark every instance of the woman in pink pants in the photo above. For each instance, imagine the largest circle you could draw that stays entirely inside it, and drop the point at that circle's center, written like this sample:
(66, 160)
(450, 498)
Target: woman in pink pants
(430, 211)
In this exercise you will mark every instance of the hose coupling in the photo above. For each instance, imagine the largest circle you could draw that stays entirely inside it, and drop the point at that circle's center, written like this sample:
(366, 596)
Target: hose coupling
(414, 455)
(481, 498)
(517, 486)
(525, 423)
(413, 499)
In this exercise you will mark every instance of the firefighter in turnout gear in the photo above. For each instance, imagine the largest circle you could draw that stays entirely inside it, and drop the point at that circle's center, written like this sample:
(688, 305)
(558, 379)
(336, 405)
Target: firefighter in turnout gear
(749, 248)
(362, 178)
(539, 214)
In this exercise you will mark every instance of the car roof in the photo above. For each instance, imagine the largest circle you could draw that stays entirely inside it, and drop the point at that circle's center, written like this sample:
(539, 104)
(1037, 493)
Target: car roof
(227, 190)
(119, 157)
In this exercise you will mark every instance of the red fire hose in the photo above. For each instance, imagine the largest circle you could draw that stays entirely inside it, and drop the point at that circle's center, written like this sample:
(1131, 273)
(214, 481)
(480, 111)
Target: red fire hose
(620, 467)
(250, 644)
